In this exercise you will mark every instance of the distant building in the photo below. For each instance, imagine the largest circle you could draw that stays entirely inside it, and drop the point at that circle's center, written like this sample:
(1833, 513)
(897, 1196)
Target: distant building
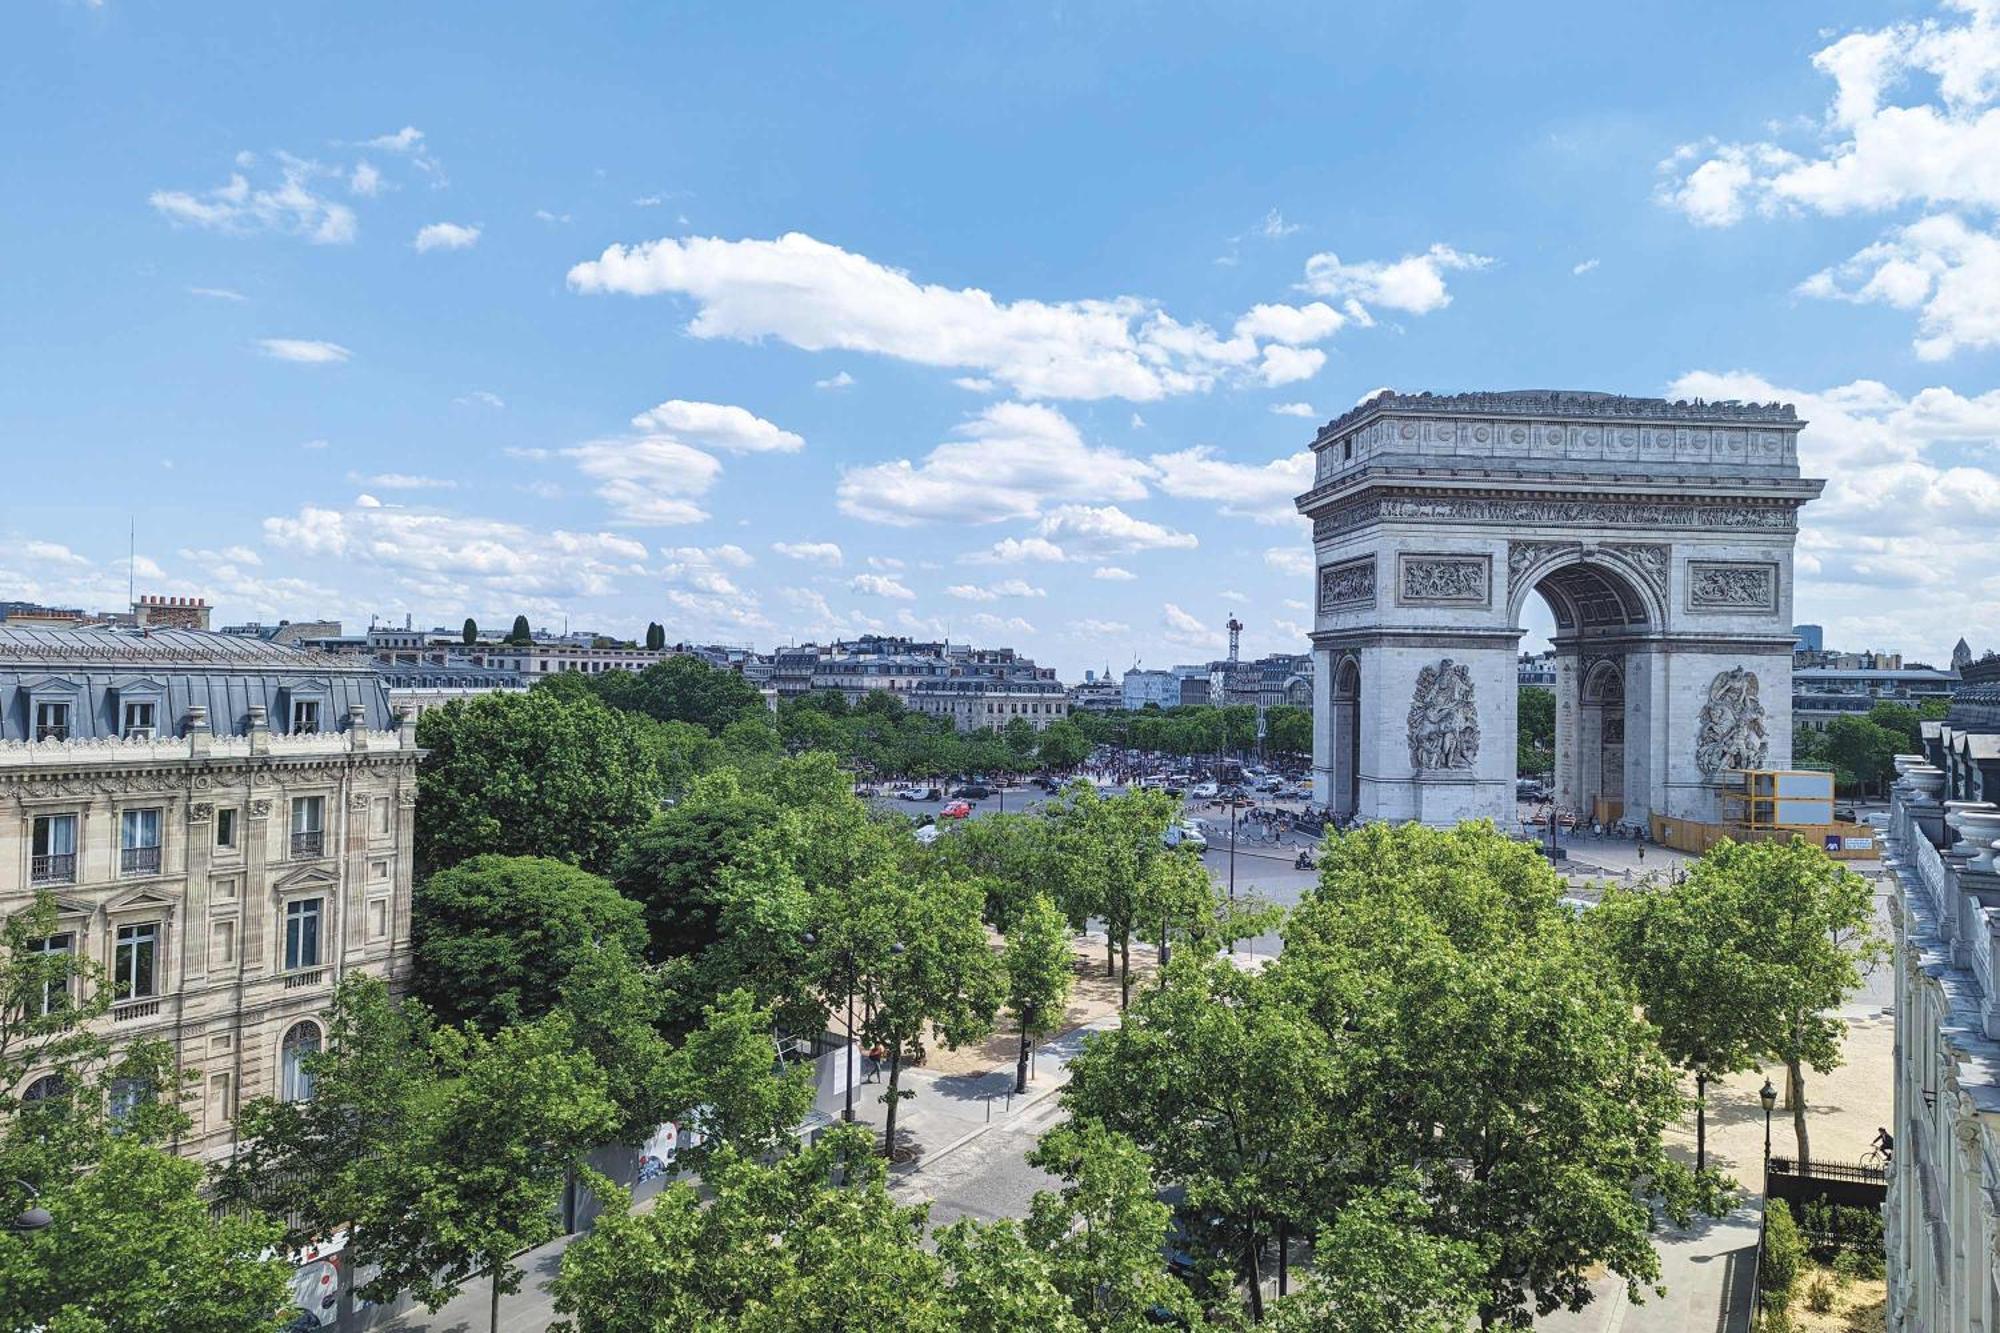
(895, 665)
(151, 612)
(975, 703)
(1961, 655)
(1162, 689)
(1811, 638)
(1096, 694)
(225, 827)
(1822, 693)
(288, 633)
(1536, 670)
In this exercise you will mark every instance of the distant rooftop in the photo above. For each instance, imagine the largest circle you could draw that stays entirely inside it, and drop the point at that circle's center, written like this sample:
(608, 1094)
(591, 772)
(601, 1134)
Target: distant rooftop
(159, 647)
(1565, 404)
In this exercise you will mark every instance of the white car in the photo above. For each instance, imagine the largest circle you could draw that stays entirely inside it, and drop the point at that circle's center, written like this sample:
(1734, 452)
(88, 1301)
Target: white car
(1187, 834)
(1204, 791)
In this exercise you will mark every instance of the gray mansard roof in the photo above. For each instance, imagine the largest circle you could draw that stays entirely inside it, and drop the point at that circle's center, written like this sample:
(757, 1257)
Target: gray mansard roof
(96, 671)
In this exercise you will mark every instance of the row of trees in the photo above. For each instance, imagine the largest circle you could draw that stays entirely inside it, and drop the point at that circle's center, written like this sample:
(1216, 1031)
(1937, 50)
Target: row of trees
(1201, 729)
(1861, 751)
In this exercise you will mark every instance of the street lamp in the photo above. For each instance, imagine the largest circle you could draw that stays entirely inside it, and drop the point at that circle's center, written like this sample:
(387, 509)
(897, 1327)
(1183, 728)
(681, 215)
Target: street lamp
(34, 1217)
(1768, 1095)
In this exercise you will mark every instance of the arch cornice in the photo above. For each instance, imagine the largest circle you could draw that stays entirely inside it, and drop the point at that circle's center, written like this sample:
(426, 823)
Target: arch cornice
(1641, 566)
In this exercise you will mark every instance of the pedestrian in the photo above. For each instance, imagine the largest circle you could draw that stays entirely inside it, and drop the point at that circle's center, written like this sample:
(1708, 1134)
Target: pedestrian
(876, 1055)
(1642, 853)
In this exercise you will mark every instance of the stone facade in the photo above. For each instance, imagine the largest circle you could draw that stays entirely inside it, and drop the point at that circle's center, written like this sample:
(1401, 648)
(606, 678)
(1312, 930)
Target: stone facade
(225, 827)
(1660, 534)
(1942, 1217)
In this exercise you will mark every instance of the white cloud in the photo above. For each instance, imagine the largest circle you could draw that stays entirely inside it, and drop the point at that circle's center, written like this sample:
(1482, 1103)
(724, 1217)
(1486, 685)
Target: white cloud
(1012, 460)
(840, 380)
(409, 139)
(480, 398)
(993, 592)
(1946, 270)
(1080, 530)
(228, 556)
(1275, 227)
(365, 180)
(1290, 559)
(51, 553)
(304, 351)
(146, 567)
(1289, 365)
(826, 553)
(1414, 283)
(1100, 627)
(543, 215)
(993, 624)
(881, 585)
(403, 481)
(820, 297)
(721, 426)
(974, 383)
(1182, 628)
(1291, 324)
(446, 236)
(1242, 490)
(449, 556)
(651, 481)
(1897, 550)
(288, 206)
(1017, 550)
(1294, 409)
(1113, 574)
(218, 293)
(888, 562)
(701, 570)
(1578, 270)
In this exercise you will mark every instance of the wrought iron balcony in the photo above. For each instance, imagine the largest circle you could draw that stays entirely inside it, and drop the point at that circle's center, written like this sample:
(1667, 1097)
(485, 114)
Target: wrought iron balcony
(55, 868)
(305, 846)
(56, 731)
(138, 860)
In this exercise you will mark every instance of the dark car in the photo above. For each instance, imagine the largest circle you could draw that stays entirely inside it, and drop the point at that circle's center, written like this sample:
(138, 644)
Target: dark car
(973, 791)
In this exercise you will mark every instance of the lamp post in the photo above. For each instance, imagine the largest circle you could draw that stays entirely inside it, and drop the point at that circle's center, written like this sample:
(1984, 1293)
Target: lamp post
(34, 1217)
(1768, 1095)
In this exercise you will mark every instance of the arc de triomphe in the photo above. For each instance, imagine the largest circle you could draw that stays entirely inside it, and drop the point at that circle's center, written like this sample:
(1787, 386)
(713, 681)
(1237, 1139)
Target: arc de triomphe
(1659, 533)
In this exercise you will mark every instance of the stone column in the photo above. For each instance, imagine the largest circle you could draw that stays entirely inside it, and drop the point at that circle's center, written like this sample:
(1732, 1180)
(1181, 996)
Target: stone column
(1568, 701)
(1324, 732)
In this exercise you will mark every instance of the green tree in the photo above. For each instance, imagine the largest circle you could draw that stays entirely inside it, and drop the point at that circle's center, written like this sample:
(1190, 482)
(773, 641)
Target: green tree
(131, 1245)
(721, 1085)
(1062, 747)
(915, 947)
(1376, 1269)
(1104, 1232)
(683, 688)
(615, 1006)
(672, 865)
(1680, 947)
(520, 632)
(496, 935)
(1039, 970)
(1022, 741)
(656, 636)
(1227, 1083)
(469, 635)
(1103, 851)
(1860, 751)
(1535, 738)
(533, 774)
(1288, 731)
(1488, 1049)
(1804, 926)
(494, 1141)
(325, 1161)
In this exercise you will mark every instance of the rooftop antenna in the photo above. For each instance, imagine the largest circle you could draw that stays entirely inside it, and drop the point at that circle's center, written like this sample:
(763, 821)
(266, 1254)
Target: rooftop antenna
(1235, 634)
(131, 559)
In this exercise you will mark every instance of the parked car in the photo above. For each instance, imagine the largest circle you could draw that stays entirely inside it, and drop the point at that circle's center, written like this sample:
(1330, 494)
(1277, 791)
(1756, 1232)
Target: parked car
(1204, 791)
(973, 791)
(956, 810)
(1187, 834)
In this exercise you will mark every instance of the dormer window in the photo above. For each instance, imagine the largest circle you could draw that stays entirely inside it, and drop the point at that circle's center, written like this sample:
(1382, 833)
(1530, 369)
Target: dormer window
(51, 721)
(305, 716)
(139, 721)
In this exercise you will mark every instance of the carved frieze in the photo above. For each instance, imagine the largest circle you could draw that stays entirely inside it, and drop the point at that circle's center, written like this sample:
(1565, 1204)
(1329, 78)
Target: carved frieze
(1732, 731)
(1718, 585)
(260, 809)
(201, 812)
(1347, 586)
(1552, 512)
(1444, 719)
(1523, 556)
(1443, 580)
(1649, 557)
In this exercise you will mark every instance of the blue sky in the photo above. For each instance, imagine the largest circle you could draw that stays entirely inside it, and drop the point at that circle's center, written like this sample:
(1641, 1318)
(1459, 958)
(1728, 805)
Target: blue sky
(1011, 323)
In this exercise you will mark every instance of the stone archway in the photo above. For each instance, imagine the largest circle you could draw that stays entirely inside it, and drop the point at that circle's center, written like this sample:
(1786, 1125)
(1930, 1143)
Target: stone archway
(1660, 534)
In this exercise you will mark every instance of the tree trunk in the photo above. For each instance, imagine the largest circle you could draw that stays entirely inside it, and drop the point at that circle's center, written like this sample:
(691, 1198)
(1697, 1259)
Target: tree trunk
(894, 1098)
(1021, 1065)
(1700, 1119)
(494, 1325)
(1125, 974)
(1256, 1275)
(1110, 952)
(1795, 1090)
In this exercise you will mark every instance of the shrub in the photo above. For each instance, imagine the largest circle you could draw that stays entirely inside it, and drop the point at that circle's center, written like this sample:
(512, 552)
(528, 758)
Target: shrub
(1784, 1252)
(1819, 1295)
(1859, 1265)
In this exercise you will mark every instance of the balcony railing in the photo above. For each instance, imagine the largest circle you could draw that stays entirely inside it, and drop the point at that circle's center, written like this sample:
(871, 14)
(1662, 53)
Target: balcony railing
(306, 845)
(138, 860)
(125, 1011)
(309, 977)
(53, 731)
(55, 868)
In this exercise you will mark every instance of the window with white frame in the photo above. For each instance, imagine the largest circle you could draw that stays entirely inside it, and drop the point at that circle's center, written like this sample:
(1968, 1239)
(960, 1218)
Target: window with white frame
(305, 716)
(52, 854)
(302, 933)
(295, 1081)
(53, 957)
(308, 825)
(225, 829)
(139, 716)
(52, 720)
(139, 842)
(135, 961)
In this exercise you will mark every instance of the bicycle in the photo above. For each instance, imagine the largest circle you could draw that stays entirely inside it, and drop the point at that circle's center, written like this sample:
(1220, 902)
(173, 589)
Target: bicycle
(1874, 1160)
